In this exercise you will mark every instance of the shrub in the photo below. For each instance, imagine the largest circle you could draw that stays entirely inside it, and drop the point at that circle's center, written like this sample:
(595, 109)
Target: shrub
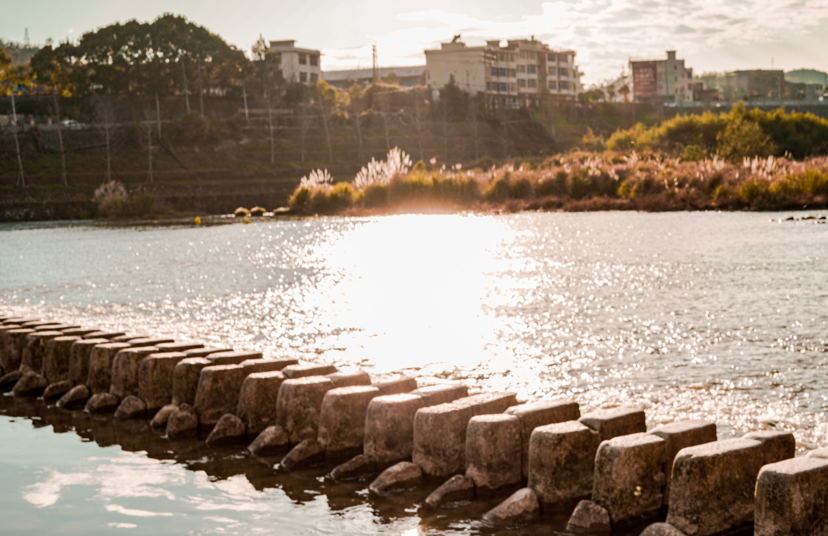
(109, 198)
(300, 198)
(742, 139)
(115, 204)
(192, 128)
(498, 189)
(591, 142)
(257, 211)
(520, 189)
(692, 153)
(241, 212)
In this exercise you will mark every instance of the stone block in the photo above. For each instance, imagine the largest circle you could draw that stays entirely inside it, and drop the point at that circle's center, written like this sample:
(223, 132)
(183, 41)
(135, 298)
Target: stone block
(155, 379)
(342, 419)
(589, 518)
(303, 455)
(520, 507)
(541, 413)
(562, 462)
(149, 341)
(819, 453)
(34, 350)
(299, 405)
(182, 423)
(396, 387)
(185, 379)
(3, 329)
(778, 446)
(131, 407)
(791, 498)
(404, 475)
(56, 390)
(354, 468)
(8, 381)
(712, 486)
(228, 430)
(348, 379)
(294, 372)
(630, 476)
(128, 338)
(79, 359)
(100, 366)
(433, 395)
(455, 489)
(78, 332)
(389, 427)
(492, 442)
(108, 335)
(440, 431)
(165, 347)
(273, 440)
(74, 398)
(19, 320)
(204, 352)
(102, 403)
(218, 392)
(611, 423)
(232, 358)
(662, 529)
(56, 361)
(159, 421)
(57, 327)
(257, 399)
(251, 366)
(30, 383)
(682, 434)
(37, 323)
(125, 369)
(13, 342)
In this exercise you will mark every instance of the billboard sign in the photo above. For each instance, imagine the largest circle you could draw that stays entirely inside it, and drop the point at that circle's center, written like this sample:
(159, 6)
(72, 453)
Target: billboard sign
(645, 75)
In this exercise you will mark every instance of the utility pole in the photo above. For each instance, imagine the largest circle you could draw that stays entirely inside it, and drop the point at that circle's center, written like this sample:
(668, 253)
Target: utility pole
(63, 177)
(244, 94)
(149, 152)
(186, 89)
(376, 71)
(21, 176)
(158, 114)
(200, 89)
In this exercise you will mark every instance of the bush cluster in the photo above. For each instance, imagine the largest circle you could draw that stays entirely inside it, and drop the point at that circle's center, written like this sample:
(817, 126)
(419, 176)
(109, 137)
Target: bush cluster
(114, 203)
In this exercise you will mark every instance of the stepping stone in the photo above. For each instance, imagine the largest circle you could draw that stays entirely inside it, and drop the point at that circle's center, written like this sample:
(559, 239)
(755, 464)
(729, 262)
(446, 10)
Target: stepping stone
(520, 507)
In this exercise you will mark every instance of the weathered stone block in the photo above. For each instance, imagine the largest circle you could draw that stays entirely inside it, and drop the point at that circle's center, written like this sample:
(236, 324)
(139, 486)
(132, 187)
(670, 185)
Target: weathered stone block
(155, 378)
(57, 327)
(778, 446)
(78, 332)
(440, 431)
(819, 453)
(299, 405)
(166, 347)
(34, 350)
(629, 476)
(434, 395)
(252, 366)
(228, 430)
(662, 529)
(13, 342)
(342, 419)
(455, 489)
(76, 397)
(562, 462)
(8, 381)
(185, 379)
(492, 442)
(56, 390)
(183, 423)
(128, 338)
(56, 361)
(683, 434)
(389, 427)
(589, 518)
(30, 384)
(404, 475)
(108, 335)
(159, 421)
(294, 372)
(125, 369)
(37, 323)
(218, 392)
(712, 486)
(102, 403)
(354, 468)
(396, 387)
(131, 407)
(232, 358)
(348, 379)
(149, 341)
(204, 352)
(257, 399)
(100, 366)
(79, 359)
(273, 440)
(305, 454)
(791, 498)
(611, 423)
(520, 507)
(541, 413)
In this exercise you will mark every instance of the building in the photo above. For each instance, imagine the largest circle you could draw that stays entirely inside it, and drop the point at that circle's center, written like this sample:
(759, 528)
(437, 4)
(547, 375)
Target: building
(404, 76)
(523, 73)
(297, 64)
(662, 80)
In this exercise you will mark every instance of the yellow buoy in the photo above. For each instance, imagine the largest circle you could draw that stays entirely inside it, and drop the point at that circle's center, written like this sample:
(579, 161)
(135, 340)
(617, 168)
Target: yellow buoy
(246, 220)
(198, 220)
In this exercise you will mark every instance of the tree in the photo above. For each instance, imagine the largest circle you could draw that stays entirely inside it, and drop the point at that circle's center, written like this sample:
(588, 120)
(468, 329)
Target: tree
(11, 78)
(356, 111)
(259, 49)
(328, 99)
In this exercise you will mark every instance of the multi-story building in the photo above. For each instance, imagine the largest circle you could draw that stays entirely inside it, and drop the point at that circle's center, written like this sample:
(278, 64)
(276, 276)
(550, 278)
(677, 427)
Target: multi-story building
(525, 72)
(297, 64)
(404, 76)
(662, 80)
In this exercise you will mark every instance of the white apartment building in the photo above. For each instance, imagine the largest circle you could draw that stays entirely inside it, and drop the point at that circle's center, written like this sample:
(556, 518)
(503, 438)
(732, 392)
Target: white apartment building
(297, 64)
(666, 80)
(522, 73)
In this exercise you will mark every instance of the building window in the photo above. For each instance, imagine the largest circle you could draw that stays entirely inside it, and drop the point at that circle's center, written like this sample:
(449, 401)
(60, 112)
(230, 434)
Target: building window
(303, 59)
(303, 77)
(521, 68)
(513, 87)
(521, 82)
(533, 56)
(552, 84)
(531, 69)
(503, 87)
(488, 86)
(314, 78)
(552, 58)
(563, 58)
(532, 83)
(502, 72)
(314, 61)
(494, 71)
(512, 73)
(563, 85)
(563, 71)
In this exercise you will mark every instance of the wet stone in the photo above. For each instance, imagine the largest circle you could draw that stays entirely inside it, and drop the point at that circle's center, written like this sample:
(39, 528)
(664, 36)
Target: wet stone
(159, 420)
(75, 398)
(611, 423)
(348, 379)
(56, 390)
(13, 342)
(589, 518)
(155, 379)
(303, 455)
(204, 352)
(540, 413)
(183, 423)
(791, 498)
(520, 507)
(396, 387)
(102, 403)
(100, 366)
(818, 453)
(34, 350)
(79, 359)
(294, 372)
(433, 395)
(491, 444)
(37, 323)
(662, 529)
(148, 341)
(131, 407)
(299, 405)
(56, 362)
(456, 489)
(58, 327)
(402, 476)
(778, 446)
(252, 366)
(562, 462)
(342, 419)
(9, 380)
(125, 369)
(185, 379)
(712, 486)
(356, 467)
(218, 392)
(232, 358)
(228, 430)
(108, 335)
(682, 434)
(79, 332)
(257, 399)
(165, 347)
(273, 440)
(389, 428)
(30, 384)
(128, 338)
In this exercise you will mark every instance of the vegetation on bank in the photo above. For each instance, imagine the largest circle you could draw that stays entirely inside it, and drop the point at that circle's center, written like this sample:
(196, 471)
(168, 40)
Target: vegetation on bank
(113, 202)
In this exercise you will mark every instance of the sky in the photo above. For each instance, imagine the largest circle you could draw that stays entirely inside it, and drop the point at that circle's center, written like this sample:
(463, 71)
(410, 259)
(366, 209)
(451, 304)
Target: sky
(711, 35)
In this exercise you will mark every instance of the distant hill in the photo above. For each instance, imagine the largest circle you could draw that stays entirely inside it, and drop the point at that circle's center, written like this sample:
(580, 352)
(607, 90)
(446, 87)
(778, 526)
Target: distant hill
(807, 76)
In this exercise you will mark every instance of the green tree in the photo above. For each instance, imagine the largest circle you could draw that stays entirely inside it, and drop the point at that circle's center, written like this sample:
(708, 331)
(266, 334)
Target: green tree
(743, 138)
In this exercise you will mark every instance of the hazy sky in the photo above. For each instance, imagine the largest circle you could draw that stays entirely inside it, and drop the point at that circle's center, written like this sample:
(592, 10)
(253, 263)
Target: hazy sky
(712, 35)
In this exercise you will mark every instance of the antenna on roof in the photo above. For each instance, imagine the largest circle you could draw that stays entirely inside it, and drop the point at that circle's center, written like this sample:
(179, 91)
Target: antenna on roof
(26, 39)
(375, 65)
